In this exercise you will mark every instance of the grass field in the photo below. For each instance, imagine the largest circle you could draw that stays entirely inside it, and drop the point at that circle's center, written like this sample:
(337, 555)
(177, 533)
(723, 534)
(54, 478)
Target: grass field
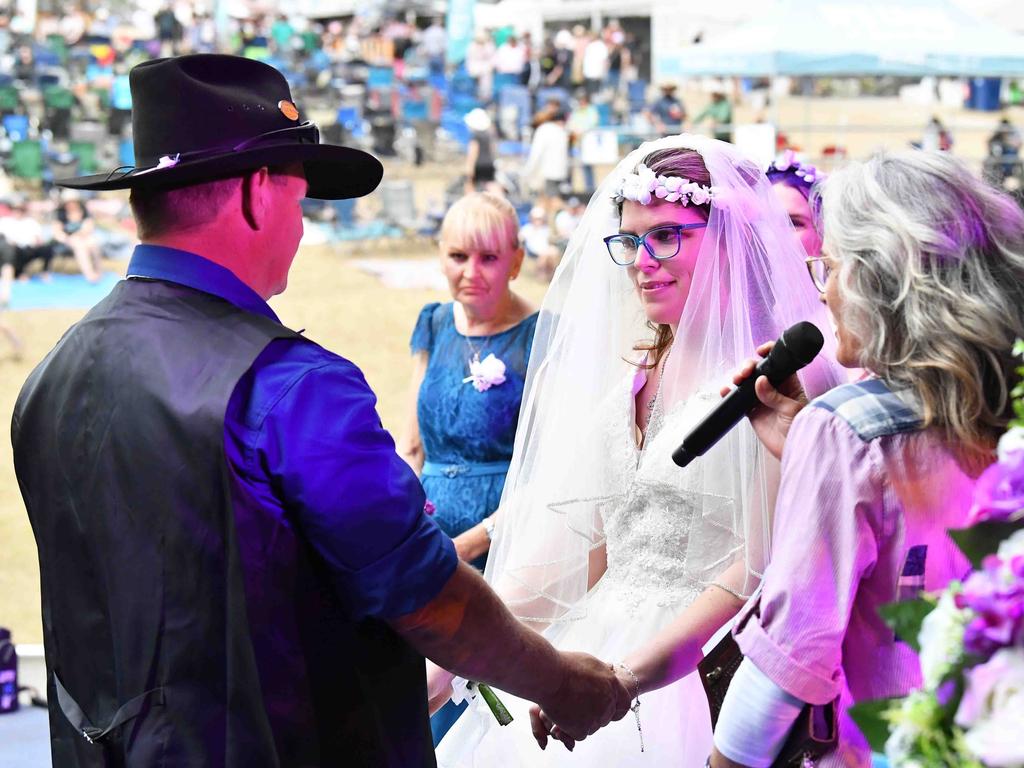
(355, 315)
(340, 307)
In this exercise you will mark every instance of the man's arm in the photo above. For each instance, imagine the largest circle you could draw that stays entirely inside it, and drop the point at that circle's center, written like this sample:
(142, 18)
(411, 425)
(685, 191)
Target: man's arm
(468, 630)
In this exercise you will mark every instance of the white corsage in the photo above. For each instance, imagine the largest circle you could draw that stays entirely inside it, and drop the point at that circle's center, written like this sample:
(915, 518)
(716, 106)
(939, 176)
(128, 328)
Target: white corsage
(486, 373)
(644, 186)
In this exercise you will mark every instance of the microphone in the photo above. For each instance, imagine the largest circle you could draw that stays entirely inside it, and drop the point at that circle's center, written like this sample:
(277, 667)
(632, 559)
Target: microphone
(797, 346)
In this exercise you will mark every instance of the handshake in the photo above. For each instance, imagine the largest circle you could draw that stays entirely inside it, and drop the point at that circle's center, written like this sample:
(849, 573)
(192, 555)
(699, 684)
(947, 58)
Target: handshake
(589, 695)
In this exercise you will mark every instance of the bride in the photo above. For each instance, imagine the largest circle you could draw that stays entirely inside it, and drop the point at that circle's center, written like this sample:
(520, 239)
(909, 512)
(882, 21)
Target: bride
(601, 541)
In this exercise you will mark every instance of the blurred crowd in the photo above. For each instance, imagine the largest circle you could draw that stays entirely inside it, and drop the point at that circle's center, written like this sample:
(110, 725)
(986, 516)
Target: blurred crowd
(535, 120)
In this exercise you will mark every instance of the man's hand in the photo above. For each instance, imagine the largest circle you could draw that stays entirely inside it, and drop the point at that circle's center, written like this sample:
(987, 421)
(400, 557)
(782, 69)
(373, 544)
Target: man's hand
(772, 419)
(590, 697)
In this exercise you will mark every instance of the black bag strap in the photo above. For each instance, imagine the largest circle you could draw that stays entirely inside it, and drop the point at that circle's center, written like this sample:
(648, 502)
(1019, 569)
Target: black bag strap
(127, 711)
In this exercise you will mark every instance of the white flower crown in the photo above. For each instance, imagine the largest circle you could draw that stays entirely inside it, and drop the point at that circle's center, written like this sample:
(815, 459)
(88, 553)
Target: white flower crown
(644, 186)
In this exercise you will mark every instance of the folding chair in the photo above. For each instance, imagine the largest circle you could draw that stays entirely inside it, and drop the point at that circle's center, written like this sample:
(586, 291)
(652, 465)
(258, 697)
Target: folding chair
(27, 160)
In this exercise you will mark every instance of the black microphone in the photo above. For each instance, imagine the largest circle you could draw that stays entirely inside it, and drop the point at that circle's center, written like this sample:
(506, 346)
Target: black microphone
(796, 347)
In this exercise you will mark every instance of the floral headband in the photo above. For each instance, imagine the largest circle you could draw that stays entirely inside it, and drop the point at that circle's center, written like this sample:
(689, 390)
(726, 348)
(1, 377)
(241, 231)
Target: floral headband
(644, 186)
(788, 163)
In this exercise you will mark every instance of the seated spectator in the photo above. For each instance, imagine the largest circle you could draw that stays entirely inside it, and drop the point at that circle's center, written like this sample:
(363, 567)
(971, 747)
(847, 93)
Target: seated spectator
(25, 237)
(667, 113)
(567, 219)
(76, 231)
(535, 235)
(6, 278)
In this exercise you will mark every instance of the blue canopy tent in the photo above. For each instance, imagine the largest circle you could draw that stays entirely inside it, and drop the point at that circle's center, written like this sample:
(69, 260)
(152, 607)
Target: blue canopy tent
(911, 38)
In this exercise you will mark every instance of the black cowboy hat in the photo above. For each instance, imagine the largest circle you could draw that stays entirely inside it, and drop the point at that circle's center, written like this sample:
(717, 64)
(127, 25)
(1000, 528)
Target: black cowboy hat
(208, 116)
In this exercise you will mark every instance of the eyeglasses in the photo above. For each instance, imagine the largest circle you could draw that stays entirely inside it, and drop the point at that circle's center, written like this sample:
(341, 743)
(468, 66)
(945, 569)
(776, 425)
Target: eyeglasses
(661, 242)
(819, 269)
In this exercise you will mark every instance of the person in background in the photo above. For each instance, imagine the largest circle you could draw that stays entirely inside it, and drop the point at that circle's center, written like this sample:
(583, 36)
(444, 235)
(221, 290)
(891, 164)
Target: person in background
(509, 62)
(937, 137)
(282, 32)
(921, 235)
(480, 65)
(535, 234)
(434, 44)
(719, 112)
(76, 231)
(792, 182)
(531, 74)
(560, 75)
(26, 237)
(667, 112)
(469, 367)
(580, 39)
(6, 279)
(480, 150)
(547, 166)
(618, 61)
(595, 64)
(584, 118)
(168, 29)
(1003, 160)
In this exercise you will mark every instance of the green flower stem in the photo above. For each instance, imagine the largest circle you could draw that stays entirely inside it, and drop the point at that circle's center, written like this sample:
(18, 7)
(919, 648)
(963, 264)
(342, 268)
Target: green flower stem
(501, 714)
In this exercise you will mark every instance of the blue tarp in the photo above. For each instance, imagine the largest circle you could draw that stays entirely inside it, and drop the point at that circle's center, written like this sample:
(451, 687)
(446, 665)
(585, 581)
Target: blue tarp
(912, 38)
(61, 292)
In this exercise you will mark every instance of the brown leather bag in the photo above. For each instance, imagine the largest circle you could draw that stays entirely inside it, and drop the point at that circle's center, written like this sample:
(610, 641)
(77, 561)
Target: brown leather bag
(816, 730)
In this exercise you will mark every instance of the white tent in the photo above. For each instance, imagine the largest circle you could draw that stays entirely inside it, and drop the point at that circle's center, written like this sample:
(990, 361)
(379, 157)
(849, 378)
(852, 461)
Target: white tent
(862, 37)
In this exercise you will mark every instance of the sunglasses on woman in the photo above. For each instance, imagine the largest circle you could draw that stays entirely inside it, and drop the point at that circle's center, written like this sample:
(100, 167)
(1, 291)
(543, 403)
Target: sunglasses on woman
(661, 242)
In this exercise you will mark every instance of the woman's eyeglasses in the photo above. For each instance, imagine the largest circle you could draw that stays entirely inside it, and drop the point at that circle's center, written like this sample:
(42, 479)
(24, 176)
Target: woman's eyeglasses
(661, 242)
(819, 269)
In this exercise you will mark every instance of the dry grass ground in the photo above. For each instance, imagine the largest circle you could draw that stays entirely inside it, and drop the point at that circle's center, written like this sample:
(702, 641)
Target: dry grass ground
(340, 307)
(355, 315)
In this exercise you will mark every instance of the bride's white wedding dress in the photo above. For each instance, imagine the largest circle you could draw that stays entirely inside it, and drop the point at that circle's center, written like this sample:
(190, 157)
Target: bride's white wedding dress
(643, 589)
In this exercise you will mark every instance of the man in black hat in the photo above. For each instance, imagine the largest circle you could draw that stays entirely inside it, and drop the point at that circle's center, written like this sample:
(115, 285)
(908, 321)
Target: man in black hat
(236, 568)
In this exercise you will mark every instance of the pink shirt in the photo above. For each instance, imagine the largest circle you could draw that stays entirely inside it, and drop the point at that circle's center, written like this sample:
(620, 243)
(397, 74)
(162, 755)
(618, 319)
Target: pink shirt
(860, 522)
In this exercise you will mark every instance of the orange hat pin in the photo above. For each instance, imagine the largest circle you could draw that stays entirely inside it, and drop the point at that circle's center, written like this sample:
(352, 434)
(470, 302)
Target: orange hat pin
(288, 109)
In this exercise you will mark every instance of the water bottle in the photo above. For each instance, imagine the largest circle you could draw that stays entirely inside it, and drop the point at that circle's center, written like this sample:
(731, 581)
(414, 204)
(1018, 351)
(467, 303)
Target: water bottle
(8, 673)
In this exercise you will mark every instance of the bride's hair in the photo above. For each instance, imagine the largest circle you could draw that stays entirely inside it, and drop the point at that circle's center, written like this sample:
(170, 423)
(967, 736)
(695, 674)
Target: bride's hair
(687, 164)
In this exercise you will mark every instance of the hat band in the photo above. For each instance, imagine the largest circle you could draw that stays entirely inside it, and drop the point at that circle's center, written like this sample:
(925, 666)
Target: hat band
(306, 133)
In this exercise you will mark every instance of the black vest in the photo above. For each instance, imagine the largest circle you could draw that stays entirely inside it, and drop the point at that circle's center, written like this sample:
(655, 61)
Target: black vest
(206, 639)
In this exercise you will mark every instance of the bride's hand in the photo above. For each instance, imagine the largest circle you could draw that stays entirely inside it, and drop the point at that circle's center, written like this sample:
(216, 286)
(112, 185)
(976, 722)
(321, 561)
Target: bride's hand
(772, 419)
(439, 686)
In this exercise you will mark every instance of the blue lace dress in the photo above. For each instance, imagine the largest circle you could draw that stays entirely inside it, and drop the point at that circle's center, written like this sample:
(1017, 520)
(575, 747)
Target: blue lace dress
(467, 435)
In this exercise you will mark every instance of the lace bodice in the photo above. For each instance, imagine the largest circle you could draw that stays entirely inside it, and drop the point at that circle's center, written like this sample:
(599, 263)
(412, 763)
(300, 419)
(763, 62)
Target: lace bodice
(647, 528)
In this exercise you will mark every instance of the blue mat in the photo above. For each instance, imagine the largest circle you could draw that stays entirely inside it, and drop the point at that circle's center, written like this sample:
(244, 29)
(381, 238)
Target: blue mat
(62, 292)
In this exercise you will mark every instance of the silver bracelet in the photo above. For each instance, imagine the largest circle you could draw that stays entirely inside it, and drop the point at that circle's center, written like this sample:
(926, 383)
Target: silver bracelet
(732, 592)
(636, 702)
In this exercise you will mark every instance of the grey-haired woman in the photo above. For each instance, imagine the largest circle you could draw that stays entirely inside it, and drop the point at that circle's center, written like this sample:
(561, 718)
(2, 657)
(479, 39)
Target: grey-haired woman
(924, 268)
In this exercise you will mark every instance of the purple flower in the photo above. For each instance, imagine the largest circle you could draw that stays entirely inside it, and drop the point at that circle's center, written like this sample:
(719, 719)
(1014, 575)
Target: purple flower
(999, 493)
(995, 596)
(429, 508)
(787, 161)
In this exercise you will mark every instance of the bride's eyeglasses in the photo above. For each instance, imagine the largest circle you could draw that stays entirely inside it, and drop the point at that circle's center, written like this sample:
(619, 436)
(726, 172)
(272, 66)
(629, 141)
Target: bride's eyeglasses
(661, 242)
(820, 270)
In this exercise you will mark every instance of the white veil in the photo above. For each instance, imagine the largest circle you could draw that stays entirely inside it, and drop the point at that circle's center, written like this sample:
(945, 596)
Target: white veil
(750, 283)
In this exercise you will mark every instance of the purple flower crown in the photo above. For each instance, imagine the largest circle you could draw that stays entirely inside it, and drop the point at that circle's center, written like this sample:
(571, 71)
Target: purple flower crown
(788, 163)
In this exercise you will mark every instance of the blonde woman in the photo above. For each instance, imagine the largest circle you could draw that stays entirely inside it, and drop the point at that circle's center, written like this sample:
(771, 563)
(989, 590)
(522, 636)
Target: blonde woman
(470, 357)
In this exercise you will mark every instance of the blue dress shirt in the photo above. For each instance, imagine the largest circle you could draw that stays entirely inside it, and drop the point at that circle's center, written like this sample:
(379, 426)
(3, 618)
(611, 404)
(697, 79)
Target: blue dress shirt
(304, 443)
